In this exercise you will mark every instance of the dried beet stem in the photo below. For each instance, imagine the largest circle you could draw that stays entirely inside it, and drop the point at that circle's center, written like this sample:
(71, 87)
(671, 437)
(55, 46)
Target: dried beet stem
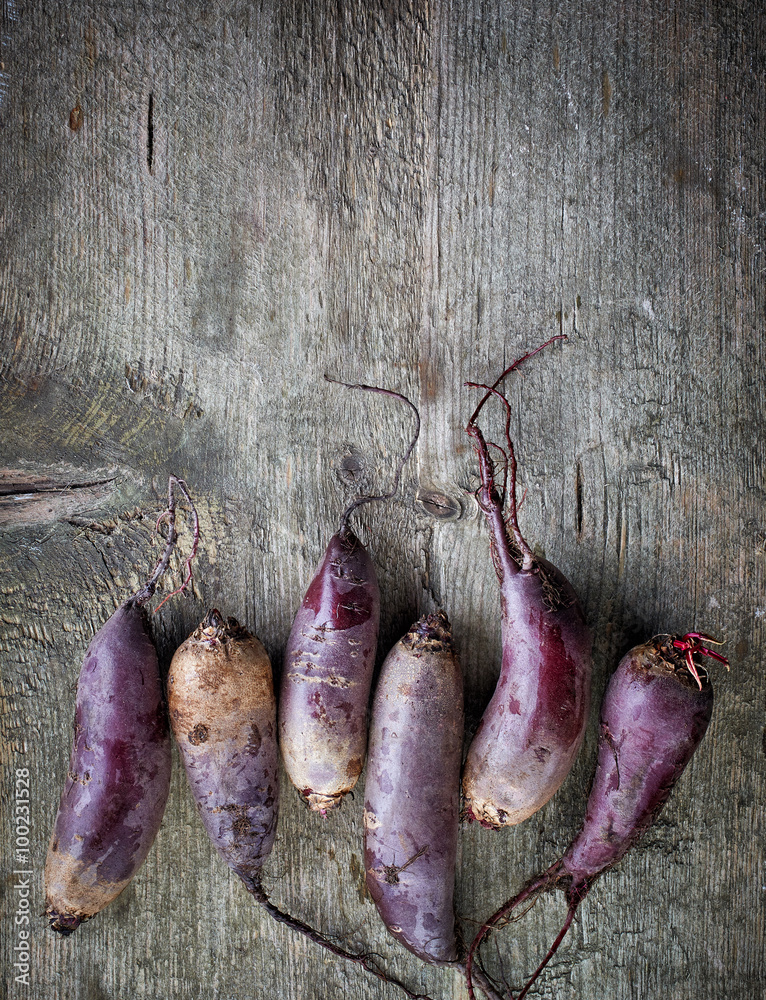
(255, 888)
(402, 461)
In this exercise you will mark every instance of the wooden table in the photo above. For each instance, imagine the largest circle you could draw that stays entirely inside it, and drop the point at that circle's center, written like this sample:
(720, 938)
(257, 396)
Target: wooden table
(208, 206)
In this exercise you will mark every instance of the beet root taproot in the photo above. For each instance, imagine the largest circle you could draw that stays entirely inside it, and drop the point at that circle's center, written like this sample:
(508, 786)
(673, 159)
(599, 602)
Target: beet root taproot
(412, 790)
(655, 712)
(119, 771)
(533, 726)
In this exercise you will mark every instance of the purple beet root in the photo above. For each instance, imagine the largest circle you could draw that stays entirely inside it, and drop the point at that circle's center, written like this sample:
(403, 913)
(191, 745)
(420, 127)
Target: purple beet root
(653, 718)
(223, 714)
(327, 675)
(329, 661)
(533, 727)
(119, 772)
(412, 790)
(655, 712)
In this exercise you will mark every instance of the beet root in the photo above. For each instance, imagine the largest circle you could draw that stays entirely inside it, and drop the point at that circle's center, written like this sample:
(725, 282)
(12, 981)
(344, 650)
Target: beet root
(119, 773)
(653, 718)
(412, 790)
(327, 675)
(223, 714)
(533, 727)
(330, 657)
(655, 711)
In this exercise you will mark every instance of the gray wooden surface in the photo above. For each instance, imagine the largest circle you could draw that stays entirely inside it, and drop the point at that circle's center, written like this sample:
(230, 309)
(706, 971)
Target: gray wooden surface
(205, 207)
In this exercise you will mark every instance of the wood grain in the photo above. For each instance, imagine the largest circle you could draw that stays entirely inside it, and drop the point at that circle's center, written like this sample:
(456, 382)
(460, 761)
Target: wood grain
(207, 208)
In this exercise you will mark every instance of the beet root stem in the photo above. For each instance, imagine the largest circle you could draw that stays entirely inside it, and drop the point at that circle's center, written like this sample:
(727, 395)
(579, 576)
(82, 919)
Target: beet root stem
(402, 461)
(169, 514)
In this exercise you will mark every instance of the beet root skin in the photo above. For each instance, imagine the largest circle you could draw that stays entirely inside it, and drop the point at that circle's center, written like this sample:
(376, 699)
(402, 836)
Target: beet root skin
(327, 675)
(533, 726)
(223, 715)
(412, 790)
(653, 718)
(119, 773)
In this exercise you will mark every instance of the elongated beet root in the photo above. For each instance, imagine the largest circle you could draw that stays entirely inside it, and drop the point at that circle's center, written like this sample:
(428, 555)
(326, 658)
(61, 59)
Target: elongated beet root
(223, 714)
(412, 790)
(119, 773)
(533, 726)
(327, 674)
(329, 661)
(654, 714)
(653, 718)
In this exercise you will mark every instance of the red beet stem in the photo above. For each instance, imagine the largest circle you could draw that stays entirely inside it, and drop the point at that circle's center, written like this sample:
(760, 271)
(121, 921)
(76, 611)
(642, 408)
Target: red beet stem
(488, 497)
(691, 644)
(402, 461)
(513, 367)
(146, 592)
(492, 502)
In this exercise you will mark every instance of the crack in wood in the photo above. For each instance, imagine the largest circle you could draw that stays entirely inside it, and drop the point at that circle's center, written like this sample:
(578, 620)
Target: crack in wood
(150, 133)
(29, 498)
(23, 486)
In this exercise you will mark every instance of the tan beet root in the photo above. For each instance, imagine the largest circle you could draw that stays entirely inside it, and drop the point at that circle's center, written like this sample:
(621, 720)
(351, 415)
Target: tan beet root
(223, 715)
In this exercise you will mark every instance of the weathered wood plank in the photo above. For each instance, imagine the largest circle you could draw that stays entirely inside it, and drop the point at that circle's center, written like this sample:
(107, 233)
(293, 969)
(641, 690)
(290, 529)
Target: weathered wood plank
(206, 210)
